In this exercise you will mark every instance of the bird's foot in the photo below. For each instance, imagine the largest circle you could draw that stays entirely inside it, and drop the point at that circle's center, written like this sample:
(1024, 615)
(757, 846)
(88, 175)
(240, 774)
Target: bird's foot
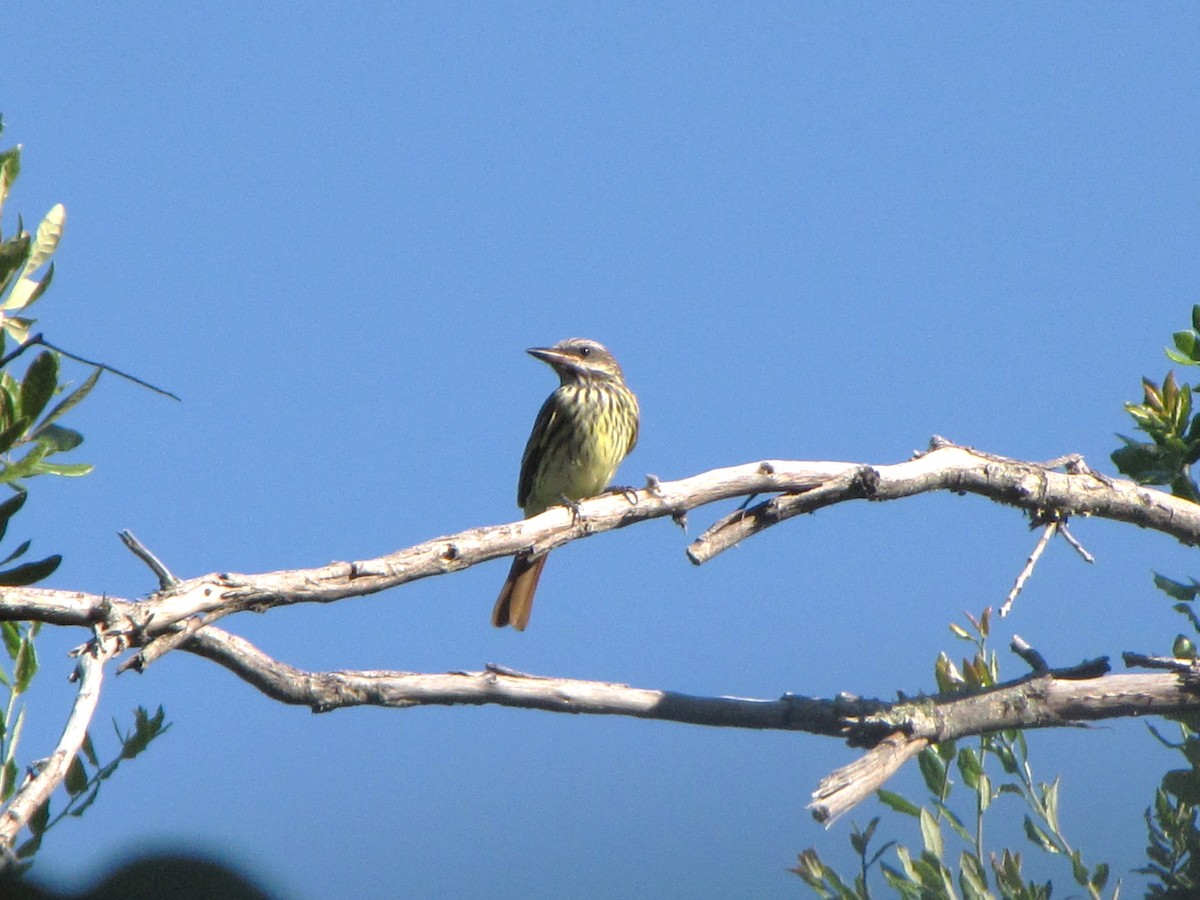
(575, 507)
(629, 493)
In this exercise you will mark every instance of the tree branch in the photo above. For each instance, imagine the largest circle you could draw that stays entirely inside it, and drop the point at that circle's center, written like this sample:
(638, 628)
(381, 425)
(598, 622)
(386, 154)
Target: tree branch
(326, 691)
(181, 613)
(803, 487)
(53, 770)
(948, 467)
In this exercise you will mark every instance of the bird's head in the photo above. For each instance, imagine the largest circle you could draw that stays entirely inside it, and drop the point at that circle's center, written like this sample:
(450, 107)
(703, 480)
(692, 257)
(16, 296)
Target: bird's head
(578, 359)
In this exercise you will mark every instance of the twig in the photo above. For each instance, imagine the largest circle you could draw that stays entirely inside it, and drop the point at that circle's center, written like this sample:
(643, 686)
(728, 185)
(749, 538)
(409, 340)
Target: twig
(1047, 533)
(1032, 658)
(37, 790)
(1070, 539)
(1170, 663)
(138, 549)
(165, 643)
(843, 789)
(38, 339)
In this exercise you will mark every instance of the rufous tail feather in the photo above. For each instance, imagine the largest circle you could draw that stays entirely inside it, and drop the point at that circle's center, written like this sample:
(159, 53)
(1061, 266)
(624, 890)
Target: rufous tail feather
(515, 602)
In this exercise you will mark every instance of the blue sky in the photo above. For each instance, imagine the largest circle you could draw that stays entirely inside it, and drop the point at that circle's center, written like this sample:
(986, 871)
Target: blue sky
(806, 231)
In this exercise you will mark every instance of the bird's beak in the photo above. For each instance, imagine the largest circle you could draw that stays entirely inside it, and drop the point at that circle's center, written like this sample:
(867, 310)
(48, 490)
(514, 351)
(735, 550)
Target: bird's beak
(549, 355)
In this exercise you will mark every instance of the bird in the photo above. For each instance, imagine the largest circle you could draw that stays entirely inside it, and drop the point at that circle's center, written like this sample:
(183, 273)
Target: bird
(583, 431)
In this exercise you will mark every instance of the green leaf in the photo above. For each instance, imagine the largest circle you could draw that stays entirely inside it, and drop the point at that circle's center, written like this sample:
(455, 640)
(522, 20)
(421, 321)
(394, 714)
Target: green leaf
(1050, 805)
(931, 834)
(76, 781)
(970, 767)
(60, 439)
(18, 327)
(12, 638)
(1183, 784)
(12, 257)
(27, 466)
(898, 803)
(69, 401)
(45, 242)
(1175, 589)
(860, 839)
(66, 470)
(26, 667)
(40, 818)
(1185, 342)
(1146, 463)
(953, 821)
(27, 290)
(1079, 870)
(8, 779)
(30, 847)
(81, 807)
(89, 750)
(146, 729)
(972, 877)
(9, 508)
(39, 384)
(9, 435)
(10, 167)
(1039, 837)
(984, 791)
(947, 675)
(933, 770)
(30, 573)
(20, 551)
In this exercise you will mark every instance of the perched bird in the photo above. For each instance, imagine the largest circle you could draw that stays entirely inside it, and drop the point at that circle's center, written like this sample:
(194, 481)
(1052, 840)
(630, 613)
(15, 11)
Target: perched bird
(583, 431)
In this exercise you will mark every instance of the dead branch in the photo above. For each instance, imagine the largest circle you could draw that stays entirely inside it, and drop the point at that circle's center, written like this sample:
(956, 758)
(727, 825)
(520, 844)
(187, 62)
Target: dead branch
(800, 486)
(1031, 486)
(51, 771)
(181, 614)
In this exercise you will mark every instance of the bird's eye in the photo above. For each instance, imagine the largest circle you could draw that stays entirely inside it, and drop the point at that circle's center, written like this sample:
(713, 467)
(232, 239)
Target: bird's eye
(585, 351)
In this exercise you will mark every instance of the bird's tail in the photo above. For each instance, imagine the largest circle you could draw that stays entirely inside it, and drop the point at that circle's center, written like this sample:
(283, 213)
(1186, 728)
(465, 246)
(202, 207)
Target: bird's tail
(516, 597)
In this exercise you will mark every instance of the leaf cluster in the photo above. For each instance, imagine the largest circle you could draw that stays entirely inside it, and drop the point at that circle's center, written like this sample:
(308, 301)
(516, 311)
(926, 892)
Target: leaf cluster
(30, 436)
(86, 772)
(1173, 839)
(1165, 415)
(952, 861)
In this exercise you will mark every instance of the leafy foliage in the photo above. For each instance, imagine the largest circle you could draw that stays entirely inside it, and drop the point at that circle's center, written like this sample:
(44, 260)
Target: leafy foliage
(86, 774)
(30, 436)
(1173, 848)
(952, 861)
(1165, 415)
(29, 431)
(1173, 845)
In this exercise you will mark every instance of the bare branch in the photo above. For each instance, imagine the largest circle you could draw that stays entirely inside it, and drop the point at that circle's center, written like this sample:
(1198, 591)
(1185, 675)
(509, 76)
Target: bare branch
(1078, 547)
(37, 339)
(1048, 532)
(894, 731)
(52, 771)
(803, 486)
(1046, 699)
(142, 552)
(843, 789)
(325, 691)
(1032, 658)
(1030, 486)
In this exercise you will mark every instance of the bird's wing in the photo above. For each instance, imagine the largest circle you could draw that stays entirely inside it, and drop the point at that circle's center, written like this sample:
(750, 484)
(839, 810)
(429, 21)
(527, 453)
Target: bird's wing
(546, 418)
